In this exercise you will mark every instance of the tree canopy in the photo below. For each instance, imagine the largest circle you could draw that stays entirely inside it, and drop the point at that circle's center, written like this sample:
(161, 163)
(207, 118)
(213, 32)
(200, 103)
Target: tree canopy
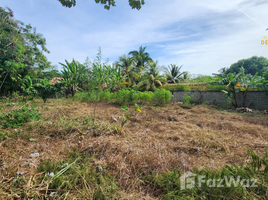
(251, 66)
(134, 4)
(21, 52)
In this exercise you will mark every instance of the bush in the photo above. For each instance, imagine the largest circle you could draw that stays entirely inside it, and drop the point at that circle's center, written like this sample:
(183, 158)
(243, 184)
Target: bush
(123, 97)
(162, 96)
(17, 118)
(106, 95)
(47, 90)
(206, 103)
(146, 96)
(126, 97)
(186, 99)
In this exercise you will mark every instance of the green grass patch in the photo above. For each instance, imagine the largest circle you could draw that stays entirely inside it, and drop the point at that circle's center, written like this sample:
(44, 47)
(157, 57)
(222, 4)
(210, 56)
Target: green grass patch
(230, 182)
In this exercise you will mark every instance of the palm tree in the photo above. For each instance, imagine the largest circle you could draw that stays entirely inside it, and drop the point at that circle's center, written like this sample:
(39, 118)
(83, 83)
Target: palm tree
(141, 58)
(152, 78)
(173, 73)
(126, 65)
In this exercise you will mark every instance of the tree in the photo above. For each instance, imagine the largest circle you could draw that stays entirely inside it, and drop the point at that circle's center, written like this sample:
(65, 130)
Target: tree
(231, 80)
(173, 73)
(21, 52)
(141, 59)
(249, 81)
(152, 78)
(251, 65)
(71, 76)
(265, 73)
(126, 65)
(134, 4)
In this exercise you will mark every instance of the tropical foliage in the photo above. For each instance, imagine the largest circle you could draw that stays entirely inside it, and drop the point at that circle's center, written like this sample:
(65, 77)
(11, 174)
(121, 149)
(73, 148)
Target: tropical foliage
(240, 82)
(21, 52)
(251, 65)
(249, 81)
(71, 76)
(152, 79)
(174, 74)
(141, 59)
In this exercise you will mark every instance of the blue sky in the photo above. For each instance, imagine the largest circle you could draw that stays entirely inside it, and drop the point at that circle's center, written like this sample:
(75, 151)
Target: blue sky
(203, 36)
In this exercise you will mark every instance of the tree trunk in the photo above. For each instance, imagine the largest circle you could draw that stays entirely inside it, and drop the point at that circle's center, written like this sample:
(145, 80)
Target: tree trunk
(235, 98)
(244, 98)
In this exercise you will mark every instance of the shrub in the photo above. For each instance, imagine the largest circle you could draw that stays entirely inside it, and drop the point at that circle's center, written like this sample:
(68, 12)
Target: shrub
(162, 96)
(17, 118)
(2, 136)
(146, 96)
(106, 95)
(206, 103)
(133, 96)
(126, 97)
(47, 90)
(123, 97)
(186, 99)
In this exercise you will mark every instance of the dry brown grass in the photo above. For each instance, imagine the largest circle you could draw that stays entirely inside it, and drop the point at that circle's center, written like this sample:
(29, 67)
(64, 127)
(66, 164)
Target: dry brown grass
(154, 141)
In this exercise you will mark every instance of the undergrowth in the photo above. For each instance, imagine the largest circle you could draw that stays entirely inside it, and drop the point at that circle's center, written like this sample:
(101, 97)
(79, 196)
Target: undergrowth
(17, 118)
(127, 97)
(76, 174)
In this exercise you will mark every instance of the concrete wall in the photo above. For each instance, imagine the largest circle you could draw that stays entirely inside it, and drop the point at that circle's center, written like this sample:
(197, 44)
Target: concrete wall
(258, 99)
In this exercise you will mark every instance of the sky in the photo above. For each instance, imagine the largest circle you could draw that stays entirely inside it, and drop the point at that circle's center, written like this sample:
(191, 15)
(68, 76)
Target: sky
(203, 36)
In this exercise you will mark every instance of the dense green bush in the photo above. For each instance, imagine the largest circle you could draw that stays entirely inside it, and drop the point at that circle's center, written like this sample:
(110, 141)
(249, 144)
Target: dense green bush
(162, 96)
(146, 96)
(127, 97)
(47, 90)
(17, 118)
(186, 99)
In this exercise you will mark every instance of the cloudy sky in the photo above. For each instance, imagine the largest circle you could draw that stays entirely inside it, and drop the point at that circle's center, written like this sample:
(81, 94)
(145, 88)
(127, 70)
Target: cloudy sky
(204, 35)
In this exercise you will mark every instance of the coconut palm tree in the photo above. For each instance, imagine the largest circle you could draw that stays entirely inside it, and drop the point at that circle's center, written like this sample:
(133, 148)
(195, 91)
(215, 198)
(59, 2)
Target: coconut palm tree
(152, 78)
(126, 65)
(141, 59)
(173, 73)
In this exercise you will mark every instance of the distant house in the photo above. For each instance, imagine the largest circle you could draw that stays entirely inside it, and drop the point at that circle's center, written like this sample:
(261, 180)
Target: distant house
(56, 80)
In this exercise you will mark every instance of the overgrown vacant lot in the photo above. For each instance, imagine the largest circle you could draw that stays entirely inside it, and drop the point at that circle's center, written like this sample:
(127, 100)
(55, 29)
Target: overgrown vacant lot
(116, 164)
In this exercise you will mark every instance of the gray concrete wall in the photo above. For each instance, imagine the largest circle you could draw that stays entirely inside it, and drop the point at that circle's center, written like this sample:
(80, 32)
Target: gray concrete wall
(257, 99)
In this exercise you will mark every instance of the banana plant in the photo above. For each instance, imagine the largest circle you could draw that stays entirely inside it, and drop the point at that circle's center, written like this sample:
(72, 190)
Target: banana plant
(71, 77)
(249, 81)
(231, 80)
(116, 78)
(27, 87)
